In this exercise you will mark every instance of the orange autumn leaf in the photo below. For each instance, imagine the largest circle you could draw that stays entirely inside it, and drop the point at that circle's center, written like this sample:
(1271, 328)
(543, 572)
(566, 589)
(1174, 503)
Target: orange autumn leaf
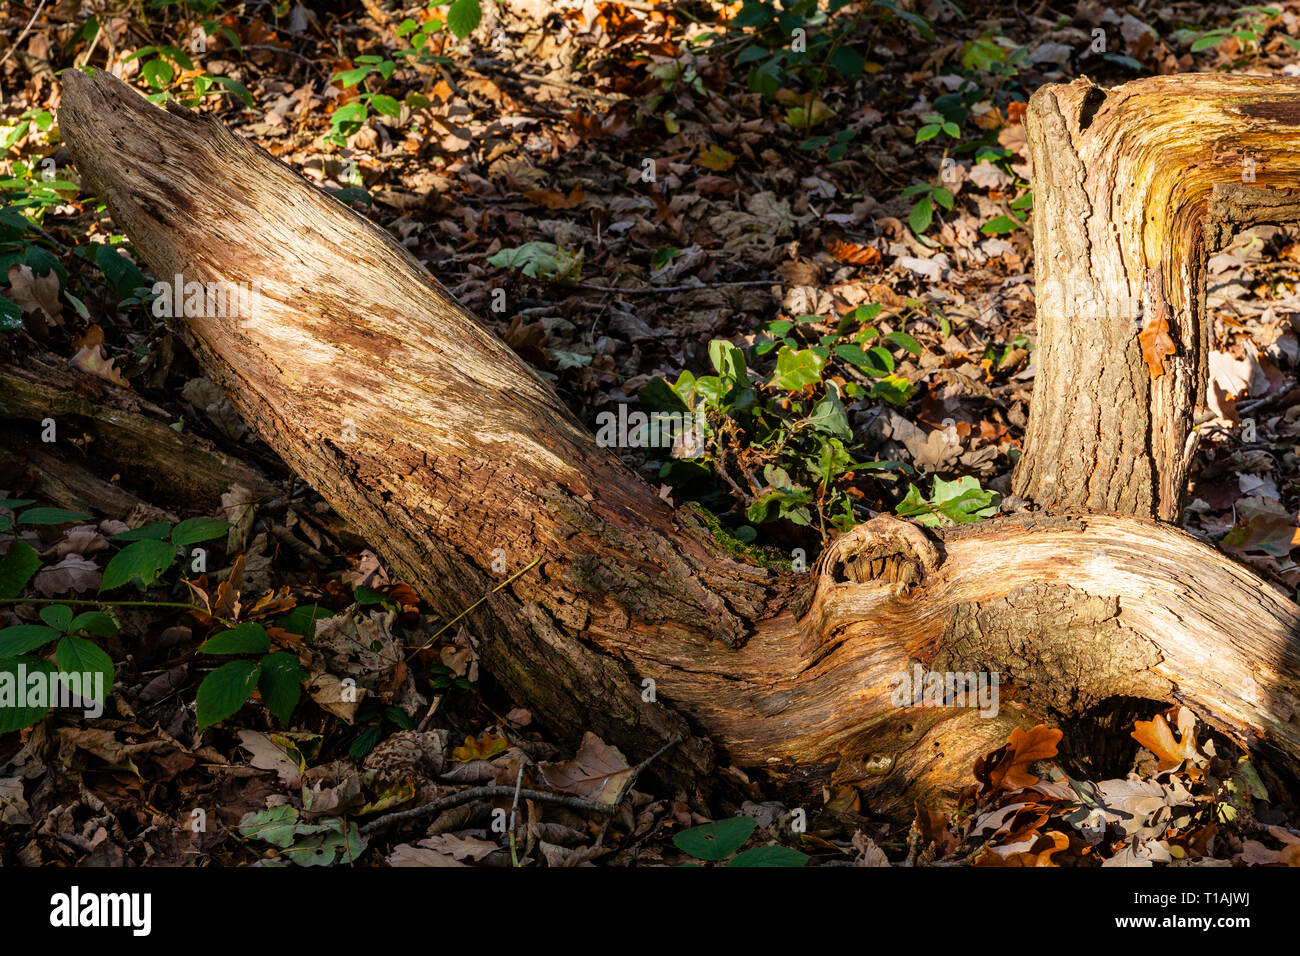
(1158, 738)
(853, 253)
(1156, 344)
(1154, 338)
(990, 119)
(483, 747)
(1040, 854)
(1007, 768)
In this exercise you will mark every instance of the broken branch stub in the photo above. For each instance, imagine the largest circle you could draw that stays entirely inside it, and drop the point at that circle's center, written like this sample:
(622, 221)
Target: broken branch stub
(1133, 188)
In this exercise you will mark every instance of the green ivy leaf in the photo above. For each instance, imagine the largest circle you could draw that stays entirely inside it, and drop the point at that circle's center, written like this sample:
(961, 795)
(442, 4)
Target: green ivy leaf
(905, 341)
(57, 616)
(922, 215)
(366, 741)
(141, 561)
(22, 638)
(11, 316)
(715, 841)
(194, 530)
(385, 105)
(158, 73)
(234, 86)
(796, 369)
(47, 516)
(76, 655)
(1214, 38)
(224, 691)
(17, 566)
(13, 717)
(154, 531)
(274, 826)
(302, 620)
(281, 684)
(463, 17)
(770, 856)
(999, 226)
(894, 389)
(365, 596)
(828, 416)
(247, 638)
(93, 622)
(348, 114)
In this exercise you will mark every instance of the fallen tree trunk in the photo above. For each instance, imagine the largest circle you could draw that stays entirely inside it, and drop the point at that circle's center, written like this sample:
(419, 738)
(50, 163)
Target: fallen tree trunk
(441, 446)
(127, 433)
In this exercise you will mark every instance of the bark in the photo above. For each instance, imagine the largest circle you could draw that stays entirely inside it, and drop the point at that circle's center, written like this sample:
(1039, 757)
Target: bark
(1133, 187)
(441, 446)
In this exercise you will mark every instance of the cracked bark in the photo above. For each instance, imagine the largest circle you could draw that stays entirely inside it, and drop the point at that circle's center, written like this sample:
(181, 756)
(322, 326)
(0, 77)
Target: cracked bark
(435, 441)
(1133, 188)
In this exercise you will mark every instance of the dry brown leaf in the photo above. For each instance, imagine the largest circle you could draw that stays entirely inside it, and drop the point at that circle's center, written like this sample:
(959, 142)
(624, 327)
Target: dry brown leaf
(341, 700)
(1039, 855)
(932, 825)
(597, 772)
(407, 854)
(1007, 768)
(92, 361)
(554, 199)
(73, 573)
(36, 295)
(268, 755)
(1154, 337)
(853, 253)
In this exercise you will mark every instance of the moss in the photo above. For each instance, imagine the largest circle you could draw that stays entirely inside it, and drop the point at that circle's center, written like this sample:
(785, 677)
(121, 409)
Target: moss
(754, 554)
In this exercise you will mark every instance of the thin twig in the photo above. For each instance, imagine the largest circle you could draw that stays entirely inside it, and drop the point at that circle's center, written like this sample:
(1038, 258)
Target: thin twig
(483, 793)
(13, 46)
(514, 808)
(510, 580)
(628, 784)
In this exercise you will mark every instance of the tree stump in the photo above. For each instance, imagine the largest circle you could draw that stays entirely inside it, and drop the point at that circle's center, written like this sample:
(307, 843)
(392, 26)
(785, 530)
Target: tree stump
(1133, 188)
(446, 451)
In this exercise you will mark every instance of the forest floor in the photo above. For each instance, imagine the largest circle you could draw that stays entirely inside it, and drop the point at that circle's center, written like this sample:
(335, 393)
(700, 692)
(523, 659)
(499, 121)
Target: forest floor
(610, 187)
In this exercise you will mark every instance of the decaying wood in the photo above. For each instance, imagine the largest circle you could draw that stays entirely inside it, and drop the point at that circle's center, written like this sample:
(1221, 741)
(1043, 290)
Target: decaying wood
(441, 446)
(1133, 188)
(126, 431)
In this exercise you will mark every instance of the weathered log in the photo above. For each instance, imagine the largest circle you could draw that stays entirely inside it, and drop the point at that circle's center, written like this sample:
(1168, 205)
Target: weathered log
(1133, 188)
(433, 439)
(131, 434)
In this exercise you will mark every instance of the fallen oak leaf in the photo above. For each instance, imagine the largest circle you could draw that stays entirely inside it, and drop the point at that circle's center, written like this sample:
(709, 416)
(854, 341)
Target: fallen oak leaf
(1156, 736)
(1040, 854)
(1007, 768)
(1154, 338)
(92, 361)
(36, 295)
